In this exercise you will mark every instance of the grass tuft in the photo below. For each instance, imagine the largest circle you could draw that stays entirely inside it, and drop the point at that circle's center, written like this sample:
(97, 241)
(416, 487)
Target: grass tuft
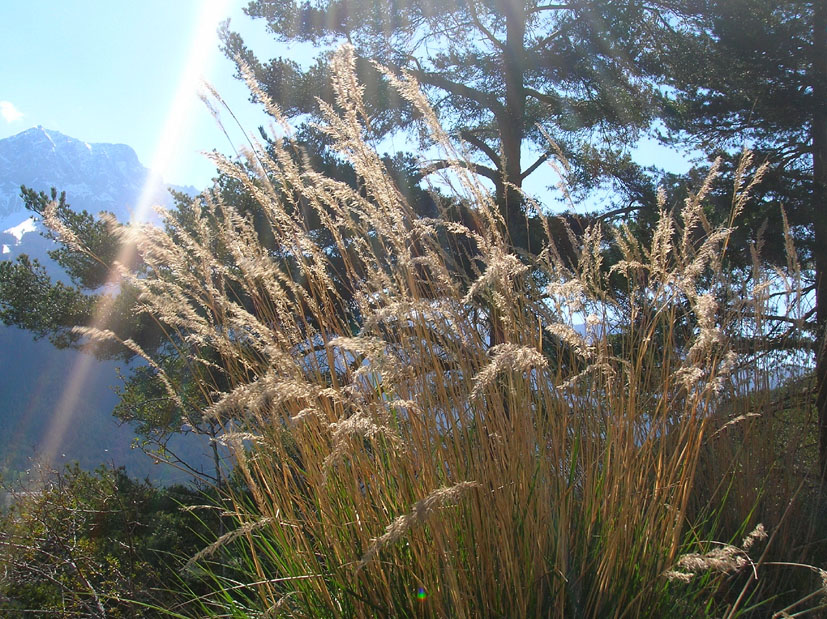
(519, 436)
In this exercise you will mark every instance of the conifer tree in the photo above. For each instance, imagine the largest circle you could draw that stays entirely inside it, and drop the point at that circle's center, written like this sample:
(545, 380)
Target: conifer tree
(753, 73)
(517, 83)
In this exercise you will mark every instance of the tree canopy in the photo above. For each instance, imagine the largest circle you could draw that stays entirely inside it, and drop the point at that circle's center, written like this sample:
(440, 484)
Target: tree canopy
(516, 83)
(753, 74)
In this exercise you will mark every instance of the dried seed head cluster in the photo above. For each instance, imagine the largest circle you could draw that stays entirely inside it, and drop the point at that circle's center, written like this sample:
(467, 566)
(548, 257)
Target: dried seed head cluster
(723, 559)
(419, 514)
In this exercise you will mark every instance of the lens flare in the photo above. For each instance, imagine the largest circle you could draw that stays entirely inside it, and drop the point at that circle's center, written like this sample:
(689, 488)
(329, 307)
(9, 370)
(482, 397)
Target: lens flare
(172, 137)
(178, 125)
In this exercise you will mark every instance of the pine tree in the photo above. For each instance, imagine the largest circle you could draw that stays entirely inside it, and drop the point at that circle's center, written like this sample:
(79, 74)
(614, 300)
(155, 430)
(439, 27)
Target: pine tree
(754, 73)
(517, 83)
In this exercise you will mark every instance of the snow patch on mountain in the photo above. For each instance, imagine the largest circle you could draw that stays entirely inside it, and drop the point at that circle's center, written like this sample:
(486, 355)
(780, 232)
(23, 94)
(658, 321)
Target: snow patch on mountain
(22, 228)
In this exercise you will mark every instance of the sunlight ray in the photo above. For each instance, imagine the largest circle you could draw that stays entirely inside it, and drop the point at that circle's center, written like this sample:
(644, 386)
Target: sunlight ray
(178, 125)
(171, 143)
(66, 408)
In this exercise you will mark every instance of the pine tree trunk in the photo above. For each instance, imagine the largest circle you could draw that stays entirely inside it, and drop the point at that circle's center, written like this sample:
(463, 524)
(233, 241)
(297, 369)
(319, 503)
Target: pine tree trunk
(508, 195)
(512, 132)
(819, 146)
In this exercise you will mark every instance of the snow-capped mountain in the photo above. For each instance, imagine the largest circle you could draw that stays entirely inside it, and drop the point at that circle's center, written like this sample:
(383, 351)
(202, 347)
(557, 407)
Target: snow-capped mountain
(95, 177)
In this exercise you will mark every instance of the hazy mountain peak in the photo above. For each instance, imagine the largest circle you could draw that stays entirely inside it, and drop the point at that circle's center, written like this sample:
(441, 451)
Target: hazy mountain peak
(96, 177)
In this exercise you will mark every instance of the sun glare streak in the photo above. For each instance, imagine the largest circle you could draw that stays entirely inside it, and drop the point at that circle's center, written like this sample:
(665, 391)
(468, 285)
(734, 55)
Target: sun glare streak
(171, 144)
(178, 125)
(66, 408)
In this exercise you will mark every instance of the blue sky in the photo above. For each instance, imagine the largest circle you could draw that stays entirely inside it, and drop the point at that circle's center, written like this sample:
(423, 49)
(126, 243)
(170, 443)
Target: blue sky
(116, 72)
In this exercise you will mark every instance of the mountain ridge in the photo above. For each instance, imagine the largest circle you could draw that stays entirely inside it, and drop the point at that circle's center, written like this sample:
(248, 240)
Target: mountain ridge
(95, 176)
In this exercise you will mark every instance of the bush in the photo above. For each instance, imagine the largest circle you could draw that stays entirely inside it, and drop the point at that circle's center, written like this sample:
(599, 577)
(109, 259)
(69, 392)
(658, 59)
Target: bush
(97, 544)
